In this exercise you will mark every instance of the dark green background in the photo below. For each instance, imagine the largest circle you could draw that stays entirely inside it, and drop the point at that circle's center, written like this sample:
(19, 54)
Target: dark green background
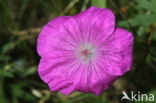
(20, 23)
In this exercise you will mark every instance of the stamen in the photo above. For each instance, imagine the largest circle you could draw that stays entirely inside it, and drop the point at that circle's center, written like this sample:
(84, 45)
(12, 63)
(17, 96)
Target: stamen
(86, 52)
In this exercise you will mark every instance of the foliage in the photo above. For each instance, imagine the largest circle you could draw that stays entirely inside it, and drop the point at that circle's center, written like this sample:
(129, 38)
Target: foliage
(20, 22)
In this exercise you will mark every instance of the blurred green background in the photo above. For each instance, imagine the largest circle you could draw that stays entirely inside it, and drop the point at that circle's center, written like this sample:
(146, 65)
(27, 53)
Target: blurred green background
(20, 23)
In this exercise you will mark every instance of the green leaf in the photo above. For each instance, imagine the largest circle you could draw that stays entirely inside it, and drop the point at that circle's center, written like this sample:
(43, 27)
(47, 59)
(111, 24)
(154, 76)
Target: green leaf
(31, 71)
(7, 47)
(141, 31)
(2, 93)
(147, 4)
(154, 36)
(5, 73)
(141, 19)
(24, 5)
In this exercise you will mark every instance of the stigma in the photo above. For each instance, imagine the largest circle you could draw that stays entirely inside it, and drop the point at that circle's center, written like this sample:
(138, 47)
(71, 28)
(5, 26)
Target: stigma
(86, 52)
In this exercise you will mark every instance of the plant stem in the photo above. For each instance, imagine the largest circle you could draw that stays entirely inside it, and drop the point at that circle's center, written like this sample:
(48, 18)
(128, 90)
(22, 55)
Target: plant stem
(99, 3)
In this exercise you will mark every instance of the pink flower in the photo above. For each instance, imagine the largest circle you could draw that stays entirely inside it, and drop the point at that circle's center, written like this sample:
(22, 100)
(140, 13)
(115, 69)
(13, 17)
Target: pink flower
(85, 52)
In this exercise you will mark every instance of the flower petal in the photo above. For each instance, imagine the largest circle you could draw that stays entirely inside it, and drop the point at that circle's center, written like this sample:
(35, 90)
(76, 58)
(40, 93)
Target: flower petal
(81, 79)
(100, 80)
(92, 79)
(51, 67)
(94, 22)
(59, 34)
(59, 43)
(58, 72)
(116, 52)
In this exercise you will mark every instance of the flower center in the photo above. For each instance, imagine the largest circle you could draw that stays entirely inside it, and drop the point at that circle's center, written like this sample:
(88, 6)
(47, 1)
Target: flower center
(86, 52)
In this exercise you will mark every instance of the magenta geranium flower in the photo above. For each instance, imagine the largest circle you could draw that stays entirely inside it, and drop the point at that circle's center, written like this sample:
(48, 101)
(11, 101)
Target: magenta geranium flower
(85, 52)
